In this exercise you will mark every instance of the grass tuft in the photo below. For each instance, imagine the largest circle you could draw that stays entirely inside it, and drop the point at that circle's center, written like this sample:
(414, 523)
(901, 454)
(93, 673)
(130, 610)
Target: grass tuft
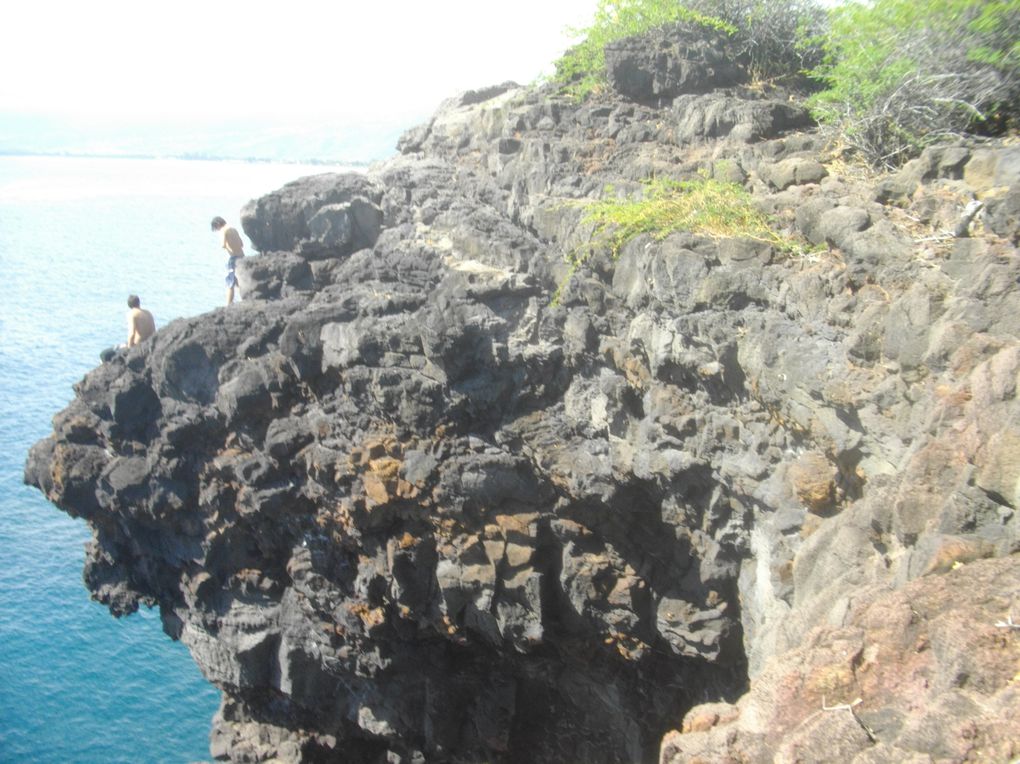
(706, 207)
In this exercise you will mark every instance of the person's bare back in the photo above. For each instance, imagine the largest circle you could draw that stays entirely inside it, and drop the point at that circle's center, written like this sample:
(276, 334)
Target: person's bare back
(141, 324)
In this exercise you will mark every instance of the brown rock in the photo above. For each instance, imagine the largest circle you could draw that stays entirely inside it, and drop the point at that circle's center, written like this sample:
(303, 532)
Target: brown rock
(710, 715)
(952, 551)
(376, 488)
(928, 671)
(813, 480)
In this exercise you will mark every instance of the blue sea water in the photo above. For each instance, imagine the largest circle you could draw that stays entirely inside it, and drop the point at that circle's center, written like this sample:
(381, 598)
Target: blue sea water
(76, 237)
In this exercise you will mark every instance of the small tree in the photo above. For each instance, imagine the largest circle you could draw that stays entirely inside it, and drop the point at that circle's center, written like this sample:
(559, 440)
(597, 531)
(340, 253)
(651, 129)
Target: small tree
(902, 74)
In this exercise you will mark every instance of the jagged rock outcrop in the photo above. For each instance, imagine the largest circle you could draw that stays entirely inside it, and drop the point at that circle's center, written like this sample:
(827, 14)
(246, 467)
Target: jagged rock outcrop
(657, 67)
(405, 506)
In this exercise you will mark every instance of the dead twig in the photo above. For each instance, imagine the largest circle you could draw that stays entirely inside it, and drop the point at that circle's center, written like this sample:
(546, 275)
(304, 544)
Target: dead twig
(841, 706)
(850, 707)
(1008, 623)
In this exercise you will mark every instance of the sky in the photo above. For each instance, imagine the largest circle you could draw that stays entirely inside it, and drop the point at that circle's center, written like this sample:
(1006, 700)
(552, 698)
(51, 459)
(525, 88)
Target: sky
(381, 60)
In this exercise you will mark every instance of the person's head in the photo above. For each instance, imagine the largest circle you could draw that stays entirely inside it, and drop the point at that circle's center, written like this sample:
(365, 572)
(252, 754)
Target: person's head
(218, 223)
(134, 302)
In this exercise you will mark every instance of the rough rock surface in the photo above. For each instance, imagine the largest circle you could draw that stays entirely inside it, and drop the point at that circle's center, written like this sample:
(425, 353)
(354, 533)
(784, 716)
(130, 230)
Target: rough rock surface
(923, 673)
(404, 506)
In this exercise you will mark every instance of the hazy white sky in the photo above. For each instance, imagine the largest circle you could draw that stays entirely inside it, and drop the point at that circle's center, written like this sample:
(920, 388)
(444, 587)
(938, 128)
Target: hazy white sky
(304, 58)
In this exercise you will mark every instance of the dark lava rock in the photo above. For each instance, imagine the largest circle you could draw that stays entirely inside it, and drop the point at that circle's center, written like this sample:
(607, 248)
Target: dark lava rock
(429, 493)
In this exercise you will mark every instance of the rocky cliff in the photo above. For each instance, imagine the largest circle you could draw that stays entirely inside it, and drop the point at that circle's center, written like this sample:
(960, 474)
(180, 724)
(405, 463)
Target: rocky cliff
(713, 502)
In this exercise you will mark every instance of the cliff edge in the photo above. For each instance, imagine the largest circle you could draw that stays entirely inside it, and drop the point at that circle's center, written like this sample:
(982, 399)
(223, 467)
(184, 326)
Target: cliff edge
(432, 494)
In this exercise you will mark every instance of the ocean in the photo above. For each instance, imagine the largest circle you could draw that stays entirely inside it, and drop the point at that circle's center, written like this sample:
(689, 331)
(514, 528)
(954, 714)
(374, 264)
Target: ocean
(77, 235)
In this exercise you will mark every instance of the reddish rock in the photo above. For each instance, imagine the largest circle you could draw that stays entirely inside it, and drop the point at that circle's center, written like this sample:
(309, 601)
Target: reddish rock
(930, 670)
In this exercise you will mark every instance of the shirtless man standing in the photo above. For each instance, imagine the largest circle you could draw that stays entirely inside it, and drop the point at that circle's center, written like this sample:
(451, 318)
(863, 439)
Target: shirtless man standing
(141, 324)
(230, 240)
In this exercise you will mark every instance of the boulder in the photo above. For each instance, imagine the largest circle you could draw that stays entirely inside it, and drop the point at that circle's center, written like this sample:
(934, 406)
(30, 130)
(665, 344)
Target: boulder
(271, 276)
(328, 215)
(672, 61)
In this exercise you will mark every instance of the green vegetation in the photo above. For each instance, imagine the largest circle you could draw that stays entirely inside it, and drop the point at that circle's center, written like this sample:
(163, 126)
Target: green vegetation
(895, 75)
(902, 74)
(705, 206)
(581, 70)
(780, 38)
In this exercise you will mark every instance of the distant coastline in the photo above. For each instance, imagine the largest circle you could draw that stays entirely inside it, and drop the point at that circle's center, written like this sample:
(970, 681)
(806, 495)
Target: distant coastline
(352, 144)
(189, 157)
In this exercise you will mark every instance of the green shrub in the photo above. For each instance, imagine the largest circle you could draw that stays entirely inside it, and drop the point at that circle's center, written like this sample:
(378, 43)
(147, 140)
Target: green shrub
(582, 69)
(902, 74)
(707, 207)
(781, 38)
